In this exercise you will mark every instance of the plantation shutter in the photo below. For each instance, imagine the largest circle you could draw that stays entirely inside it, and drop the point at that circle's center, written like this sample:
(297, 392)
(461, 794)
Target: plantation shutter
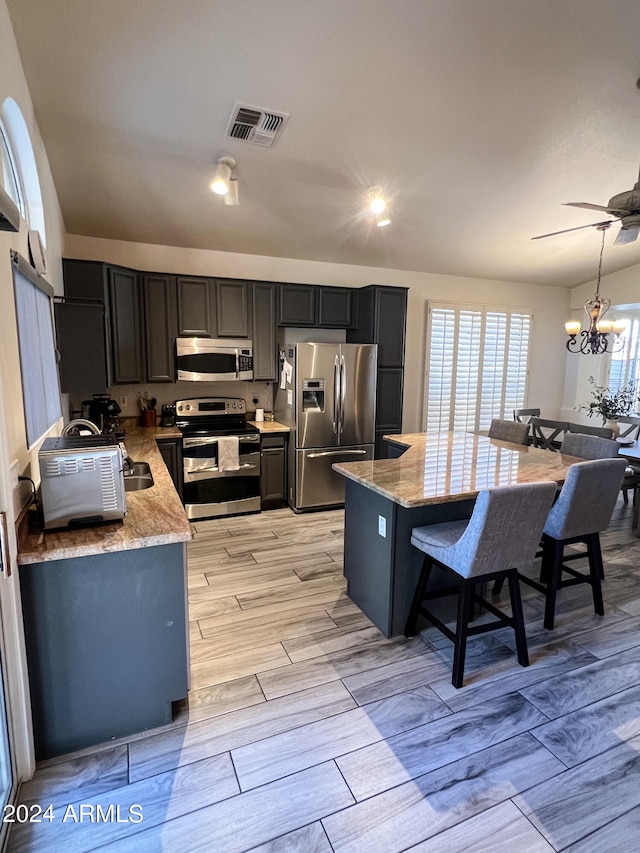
(625, 365)
(477, 361)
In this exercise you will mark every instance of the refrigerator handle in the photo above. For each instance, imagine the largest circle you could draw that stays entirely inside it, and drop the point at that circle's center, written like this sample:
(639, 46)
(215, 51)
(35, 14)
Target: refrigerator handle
(336, 396)
(343, 391)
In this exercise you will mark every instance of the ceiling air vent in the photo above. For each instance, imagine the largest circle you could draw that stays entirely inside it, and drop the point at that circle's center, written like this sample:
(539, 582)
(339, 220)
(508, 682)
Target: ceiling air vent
(256, 125)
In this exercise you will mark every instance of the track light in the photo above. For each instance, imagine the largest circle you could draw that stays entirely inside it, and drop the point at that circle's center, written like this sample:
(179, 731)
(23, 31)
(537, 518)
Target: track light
(383, 219)
(222, 175)
(232, 196)
(376, 200)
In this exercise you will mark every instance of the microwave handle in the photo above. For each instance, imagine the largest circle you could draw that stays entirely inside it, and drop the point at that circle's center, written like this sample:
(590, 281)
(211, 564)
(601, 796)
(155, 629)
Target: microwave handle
(237, 364)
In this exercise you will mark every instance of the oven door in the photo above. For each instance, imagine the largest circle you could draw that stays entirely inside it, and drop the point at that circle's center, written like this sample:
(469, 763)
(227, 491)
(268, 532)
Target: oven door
(209, 492)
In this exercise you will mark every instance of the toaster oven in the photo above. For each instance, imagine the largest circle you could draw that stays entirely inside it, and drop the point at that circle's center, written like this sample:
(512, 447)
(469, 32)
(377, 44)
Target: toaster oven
(81, 480)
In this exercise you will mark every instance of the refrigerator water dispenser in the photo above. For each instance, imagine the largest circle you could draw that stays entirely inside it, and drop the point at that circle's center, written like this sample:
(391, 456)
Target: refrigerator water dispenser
(313, 395)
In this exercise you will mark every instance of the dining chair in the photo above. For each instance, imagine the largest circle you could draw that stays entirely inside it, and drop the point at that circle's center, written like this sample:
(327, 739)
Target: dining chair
(501, 535)
(547, 434)
(593, 447)
(602, 432)
(583, 509)
(516, 433)
(527, 414)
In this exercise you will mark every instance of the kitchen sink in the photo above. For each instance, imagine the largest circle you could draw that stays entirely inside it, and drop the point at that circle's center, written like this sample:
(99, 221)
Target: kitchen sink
(141, 478)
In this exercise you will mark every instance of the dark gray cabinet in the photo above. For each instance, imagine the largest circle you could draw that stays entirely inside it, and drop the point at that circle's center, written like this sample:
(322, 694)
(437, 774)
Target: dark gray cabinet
(171, 452)
(297, 305)
(265, 359)
(161, 326)
(233, 298)
(382, 315)
(196, 307)
(99, 327)
(273, 475)
(336, 308)
(106, 642)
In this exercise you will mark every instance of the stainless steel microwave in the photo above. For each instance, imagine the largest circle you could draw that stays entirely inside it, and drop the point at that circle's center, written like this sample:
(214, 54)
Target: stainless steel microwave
(214, 359)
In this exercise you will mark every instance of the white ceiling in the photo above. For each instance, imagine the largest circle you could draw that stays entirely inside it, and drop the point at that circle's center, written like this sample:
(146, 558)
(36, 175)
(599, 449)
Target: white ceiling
(477, 117)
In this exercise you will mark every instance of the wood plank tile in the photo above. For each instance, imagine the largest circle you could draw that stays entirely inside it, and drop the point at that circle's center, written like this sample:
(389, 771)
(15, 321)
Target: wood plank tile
(623, 833)
(406, 815)
(501, 829)
(585, 685)
(249, 819)
(176, 748)
(332, 640)
(291, 751)
(310, 839)
(375, 768)
(611, 639)
(162, 798)
(295, 590)
(592, 730)
(212, 671)
(582, 800)
(221, 699)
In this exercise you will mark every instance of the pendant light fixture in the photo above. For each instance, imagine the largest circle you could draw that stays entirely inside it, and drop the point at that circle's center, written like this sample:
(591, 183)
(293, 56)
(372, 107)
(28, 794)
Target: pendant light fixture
(595, 339)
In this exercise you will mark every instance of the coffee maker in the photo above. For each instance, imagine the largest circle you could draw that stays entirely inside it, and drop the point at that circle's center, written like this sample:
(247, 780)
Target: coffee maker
(103, 411)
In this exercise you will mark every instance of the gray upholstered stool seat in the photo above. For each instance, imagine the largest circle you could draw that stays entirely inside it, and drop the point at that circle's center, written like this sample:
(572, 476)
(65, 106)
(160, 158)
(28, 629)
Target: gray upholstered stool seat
(594, 447)
(502, 534)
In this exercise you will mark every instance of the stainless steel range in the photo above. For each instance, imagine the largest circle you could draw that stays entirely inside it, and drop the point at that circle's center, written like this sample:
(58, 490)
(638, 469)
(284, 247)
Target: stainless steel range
(221, 457)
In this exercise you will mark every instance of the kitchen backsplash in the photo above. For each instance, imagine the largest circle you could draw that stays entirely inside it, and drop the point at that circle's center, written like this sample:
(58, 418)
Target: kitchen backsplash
(170, 392)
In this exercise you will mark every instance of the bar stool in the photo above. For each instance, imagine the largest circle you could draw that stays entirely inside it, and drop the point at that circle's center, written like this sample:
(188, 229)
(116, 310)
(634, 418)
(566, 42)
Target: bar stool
(519, 414)
(593, 447)
(502, 533)
(513, 431)
(582, 510)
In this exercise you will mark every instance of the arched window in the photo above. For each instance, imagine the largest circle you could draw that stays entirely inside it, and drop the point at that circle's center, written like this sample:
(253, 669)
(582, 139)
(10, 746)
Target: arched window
(19, 171)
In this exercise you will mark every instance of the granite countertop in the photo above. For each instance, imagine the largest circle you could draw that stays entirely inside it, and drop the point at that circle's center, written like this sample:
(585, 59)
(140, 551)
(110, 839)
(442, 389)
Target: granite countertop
(453, 466)
(269, 426)
(155, 516)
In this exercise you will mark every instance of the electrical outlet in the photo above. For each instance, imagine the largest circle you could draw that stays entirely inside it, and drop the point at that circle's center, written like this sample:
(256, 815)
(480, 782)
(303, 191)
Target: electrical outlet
(382, 526)
(124, 400)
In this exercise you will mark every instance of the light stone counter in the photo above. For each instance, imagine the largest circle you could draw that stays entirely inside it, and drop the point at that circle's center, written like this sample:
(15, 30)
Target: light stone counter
(155, 516)
(267, 427)
(450, 466)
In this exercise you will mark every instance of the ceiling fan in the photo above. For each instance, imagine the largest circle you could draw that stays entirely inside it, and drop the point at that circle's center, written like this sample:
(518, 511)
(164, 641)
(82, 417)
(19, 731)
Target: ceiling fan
(624, 206)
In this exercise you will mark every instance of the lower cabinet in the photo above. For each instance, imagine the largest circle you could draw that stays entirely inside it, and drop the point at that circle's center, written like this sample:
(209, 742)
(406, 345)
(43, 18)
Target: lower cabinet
(106, 641)
(273, 471)
(171, 452)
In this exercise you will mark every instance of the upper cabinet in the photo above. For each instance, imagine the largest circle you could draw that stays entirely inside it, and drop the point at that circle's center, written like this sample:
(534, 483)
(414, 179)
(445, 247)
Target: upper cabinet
(382, 317)
(264, 331)
(99, 327)
(336, 307)
(232, 303)
(314, 305)
(297, 305)
(196, 307)
(160, 312)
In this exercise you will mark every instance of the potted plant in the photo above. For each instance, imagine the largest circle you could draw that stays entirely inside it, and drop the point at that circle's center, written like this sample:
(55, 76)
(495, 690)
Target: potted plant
(610, 405)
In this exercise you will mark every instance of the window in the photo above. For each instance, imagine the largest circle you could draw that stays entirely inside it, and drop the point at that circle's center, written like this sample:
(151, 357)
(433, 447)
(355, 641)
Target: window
(40, 386)
(20, 174)
(625, 365)
(477, 360)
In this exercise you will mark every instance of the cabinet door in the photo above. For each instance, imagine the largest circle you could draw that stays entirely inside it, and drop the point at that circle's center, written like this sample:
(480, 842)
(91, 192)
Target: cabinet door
(232, 302)
(390, 322)
(171, 452)
(126, 327)
(335, 307)
(196, 307)
(389, 399)
(273, 481)
(264, 331)
(297, 305)
(161, 326)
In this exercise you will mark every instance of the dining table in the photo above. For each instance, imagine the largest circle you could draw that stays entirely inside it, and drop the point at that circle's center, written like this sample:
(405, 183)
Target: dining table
(433, 477)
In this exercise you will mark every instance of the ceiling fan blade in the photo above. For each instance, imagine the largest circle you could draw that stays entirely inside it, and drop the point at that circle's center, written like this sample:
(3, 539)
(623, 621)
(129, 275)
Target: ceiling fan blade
(586, 205)
(626, 235)
(566, 230)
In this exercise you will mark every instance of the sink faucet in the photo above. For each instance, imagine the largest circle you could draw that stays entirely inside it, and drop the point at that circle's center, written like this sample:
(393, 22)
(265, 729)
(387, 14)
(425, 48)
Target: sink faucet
(127, 461)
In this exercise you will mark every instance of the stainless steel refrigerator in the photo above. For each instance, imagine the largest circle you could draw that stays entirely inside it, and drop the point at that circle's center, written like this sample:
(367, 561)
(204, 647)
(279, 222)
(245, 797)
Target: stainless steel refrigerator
(329, 404)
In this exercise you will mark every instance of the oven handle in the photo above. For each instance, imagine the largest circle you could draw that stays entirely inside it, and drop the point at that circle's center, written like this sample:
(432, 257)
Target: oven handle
(337, 453)
(215, 468)
(202, 441)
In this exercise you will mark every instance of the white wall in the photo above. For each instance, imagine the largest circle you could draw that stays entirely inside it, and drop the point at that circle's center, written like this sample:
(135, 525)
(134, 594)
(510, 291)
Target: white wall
(547, 346)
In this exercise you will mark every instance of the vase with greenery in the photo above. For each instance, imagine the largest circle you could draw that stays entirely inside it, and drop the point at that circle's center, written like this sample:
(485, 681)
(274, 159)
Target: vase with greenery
(610, 405)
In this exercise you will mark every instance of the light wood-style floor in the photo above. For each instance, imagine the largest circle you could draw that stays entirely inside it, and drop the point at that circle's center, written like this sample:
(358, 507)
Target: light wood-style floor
(306, 730)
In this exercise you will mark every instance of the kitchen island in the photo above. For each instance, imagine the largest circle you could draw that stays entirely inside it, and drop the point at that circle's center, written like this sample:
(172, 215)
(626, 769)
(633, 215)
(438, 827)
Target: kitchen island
(437, 478)
(105, 614)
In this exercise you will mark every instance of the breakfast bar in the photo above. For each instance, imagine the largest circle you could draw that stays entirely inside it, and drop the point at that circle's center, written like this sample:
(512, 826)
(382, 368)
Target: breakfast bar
(437, 478)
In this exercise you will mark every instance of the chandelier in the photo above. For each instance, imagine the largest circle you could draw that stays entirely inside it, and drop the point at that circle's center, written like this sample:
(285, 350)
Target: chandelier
(595, 340)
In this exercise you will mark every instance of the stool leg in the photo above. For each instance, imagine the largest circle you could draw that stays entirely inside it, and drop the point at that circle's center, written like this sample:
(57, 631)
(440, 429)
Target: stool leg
(465, 601)
(596, 571)
(551, 569)
(497, 586)
(418, 598)
(518, 618)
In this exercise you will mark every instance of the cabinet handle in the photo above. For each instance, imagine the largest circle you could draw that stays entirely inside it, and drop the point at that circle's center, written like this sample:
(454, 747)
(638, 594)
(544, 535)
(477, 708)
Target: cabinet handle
(5, 563)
